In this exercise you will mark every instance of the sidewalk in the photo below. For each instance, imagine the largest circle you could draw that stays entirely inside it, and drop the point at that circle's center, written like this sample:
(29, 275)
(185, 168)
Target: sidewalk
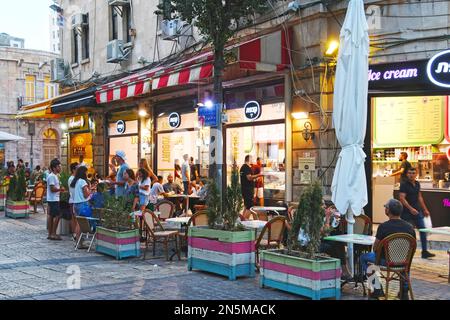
(32, 267)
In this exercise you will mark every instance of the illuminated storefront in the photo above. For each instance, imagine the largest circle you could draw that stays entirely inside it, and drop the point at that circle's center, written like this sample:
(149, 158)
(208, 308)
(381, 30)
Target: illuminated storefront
(409, 104)
(80, 140)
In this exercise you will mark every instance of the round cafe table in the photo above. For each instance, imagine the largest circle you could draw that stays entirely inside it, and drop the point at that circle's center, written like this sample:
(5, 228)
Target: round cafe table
(273, 209)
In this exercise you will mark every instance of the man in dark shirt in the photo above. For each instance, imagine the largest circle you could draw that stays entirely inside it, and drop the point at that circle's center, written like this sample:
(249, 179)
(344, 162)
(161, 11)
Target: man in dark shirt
(170, 186)
(393, 209)
(248, 185)
(403, 167)
(414, 208)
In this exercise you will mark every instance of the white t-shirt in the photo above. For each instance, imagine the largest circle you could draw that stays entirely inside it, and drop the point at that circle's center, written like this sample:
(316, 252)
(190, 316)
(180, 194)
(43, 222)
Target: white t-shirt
(146, 182)
(185, 171)
(155, 192)
(71, 190)
(78, 195)
(52, 180)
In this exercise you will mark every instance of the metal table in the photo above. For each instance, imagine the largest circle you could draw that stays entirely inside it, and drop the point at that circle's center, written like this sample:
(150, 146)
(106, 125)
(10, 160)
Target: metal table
(254, 224)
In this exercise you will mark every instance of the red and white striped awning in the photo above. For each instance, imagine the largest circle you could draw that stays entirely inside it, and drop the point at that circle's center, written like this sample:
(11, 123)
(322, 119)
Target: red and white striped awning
(257, 54)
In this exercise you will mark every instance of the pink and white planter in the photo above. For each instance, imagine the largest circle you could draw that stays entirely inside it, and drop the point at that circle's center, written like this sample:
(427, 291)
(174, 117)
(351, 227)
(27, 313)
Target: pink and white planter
(117, 244)
(228, 253)
(17, 209)
(316, 279)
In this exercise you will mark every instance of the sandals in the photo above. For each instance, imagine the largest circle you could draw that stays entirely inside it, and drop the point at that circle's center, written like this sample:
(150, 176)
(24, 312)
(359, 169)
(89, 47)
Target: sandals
(57, 238)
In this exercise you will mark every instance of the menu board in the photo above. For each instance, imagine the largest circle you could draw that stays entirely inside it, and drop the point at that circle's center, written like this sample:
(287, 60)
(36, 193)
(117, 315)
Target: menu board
(408, 121)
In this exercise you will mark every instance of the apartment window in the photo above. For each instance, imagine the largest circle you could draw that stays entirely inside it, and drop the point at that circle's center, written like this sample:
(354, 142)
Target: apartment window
(80, 40)
(120, 23)
(75, 38)
(30, 88)
(85, 43)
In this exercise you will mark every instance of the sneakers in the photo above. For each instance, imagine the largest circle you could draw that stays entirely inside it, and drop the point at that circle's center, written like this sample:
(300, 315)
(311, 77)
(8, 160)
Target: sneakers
(427, 254)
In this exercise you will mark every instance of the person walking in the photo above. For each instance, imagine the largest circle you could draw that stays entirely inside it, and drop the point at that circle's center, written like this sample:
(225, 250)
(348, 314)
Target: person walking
(186, 173)
(404, 167)
(74, 224)
(53, 191)
(393, 209)
(414, 208)
(120, 159)
(248, 184)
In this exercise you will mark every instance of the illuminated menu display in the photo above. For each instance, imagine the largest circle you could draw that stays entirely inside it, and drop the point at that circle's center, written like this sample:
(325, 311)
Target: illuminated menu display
(408, 121)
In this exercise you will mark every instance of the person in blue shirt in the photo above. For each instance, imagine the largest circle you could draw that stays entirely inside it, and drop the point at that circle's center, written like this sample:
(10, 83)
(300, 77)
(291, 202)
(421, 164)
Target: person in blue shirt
(120, 159)
(97, 200)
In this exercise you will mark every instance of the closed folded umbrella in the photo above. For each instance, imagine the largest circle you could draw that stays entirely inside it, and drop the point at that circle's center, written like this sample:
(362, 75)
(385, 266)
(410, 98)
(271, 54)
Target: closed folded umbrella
(5, 137)
(349, 187)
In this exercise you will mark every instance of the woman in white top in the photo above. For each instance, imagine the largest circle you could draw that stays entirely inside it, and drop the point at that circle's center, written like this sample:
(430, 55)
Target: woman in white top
(74, 224)
(144, 188)
(82, 191)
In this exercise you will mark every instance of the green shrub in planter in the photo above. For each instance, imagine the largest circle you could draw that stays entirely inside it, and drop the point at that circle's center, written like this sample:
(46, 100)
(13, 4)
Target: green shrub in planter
(16, 204)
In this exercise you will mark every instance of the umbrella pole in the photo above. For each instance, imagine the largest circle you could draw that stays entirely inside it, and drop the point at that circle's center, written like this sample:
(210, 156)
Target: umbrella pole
(350, 223)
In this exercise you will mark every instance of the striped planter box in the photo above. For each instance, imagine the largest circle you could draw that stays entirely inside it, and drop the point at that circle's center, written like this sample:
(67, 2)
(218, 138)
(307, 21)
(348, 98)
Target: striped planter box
(315, 279)
(2, 198)
(118, 244)
(228, 253)
(17, 209)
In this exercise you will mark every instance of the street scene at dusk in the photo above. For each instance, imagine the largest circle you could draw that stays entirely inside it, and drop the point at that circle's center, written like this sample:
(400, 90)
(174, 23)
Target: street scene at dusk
(233, 151)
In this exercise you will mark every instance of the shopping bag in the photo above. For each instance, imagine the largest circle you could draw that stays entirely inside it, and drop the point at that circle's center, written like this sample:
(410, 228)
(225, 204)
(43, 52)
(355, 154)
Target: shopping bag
(427, 222)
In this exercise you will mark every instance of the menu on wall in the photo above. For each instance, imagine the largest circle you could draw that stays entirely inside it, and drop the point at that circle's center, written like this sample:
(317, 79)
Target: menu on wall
(408, 121)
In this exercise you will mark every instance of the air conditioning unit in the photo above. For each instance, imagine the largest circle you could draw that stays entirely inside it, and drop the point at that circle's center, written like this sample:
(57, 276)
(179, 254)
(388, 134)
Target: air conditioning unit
(79, 20)
(57, 69)
(172, 29)
(119, 2)
(115, 51)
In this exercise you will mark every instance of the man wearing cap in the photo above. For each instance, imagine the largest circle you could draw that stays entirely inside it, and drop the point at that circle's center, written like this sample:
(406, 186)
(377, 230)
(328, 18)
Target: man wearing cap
(393, 209)
(123, 166)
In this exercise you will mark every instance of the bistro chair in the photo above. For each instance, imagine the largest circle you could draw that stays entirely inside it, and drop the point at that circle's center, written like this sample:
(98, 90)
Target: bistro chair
(259, 215)
(37, 196)
(86, 230)
(151, 222)
(271, 235)
(398, 250)
(166, 209)
(200, 218)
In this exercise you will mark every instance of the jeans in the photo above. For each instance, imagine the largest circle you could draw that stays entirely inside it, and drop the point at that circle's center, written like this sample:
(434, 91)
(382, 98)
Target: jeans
(186, 187)
(370, 257)
(419, 223)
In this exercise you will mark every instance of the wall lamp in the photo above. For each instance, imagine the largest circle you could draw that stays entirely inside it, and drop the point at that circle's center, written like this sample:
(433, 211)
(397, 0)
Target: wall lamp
(143, 113)
(332, 48)
(300, 115)
(307, 132)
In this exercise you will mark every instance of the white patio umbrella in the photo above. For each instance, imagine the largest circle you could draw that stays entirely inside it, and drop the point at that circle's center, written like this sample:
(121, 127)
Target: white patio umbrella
(5, 137)
(349, 189)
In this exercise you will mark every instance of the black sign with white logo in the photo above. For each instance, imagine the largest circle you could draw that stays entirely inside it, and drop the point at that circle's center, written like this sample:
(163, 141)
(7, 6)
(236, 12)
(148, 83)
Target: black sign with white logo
(438, 69)
(121, 127)
(174, 120)
(252, 110)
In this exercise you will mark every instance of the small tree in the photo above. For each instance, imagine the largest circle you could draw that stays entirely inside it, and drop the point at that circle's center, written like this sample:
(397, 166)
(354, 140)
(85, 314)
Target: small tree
(213, 203)
(310, 218)
(116, 215)
(17, 186)
(233, 200)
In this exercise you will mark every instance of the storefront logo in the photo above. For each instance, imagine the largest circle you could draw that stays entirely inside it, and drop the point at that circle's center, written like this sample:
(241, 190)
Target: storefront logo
(393, 74)
(76, 123)
(438, 69)
(252, 110)
(174, 120)
(120, 127)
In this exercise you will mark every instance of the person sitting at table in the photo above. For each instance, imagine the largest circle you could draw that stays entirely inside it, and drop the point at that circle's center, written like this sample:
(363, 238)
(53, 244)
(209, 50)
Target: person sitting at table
(171, 186)
(393, 209)
(97, 199)
(157, 193)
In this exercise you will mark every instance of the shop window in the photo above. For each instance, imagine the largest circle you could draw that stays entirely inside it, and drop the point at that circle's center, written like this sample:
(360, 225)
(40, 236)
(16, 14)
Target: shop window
(266, 142)
(75, 37)
(50, 146)
(120, 23)
(128, 144)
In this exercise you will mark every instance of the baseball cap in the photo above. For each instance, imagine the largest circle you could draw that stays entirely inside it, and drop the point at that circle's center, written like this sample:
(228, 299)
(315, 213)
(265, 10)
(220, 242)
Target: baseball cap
(120, 153)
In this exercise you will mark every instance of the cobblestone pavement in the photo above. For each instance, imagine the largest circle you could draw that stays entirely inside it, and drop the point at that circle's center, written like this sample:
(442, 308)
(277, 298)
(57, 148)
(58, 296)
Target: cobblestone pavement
(32, 267)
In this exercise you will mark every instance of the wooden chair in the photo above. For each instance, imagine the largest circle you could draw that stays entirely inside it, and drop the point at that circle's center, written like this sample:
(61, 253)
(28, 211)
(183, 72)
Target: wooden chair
(398, 250)
(259, 215)
(199, 219)
(86, 230)
(363, 225)
(273, 231)
(151, 222)
(37, 196)
(166, 209)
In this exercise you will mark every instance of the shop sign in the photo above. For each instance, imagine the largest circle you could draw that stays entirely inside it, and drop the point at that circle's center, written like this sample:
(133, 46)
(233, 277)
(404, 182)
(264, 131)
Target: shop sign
(78, 151)
(438, 69)
(121, 127)
(207, 117)
(307, 164)
(78, 123)
(252, 110)
(174, 120)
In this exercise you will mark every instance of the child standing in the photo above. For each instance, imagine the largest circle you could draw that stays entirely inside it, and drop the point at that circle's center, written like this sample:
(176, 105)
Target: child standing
(144, 188)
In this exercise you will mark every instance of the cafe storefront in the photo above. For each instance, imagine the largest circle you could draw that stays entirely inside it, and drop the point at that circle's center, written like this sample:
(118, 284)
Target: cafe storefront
(409, 112)
(80, 136)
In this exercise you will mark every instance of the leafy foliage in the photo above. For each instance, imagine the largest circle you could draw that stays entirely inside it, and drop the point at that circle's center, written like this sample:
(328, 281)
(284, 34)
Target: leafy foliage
(309, 217)
(17, 186)
(213, 203)
(116, 215)
(233, 200)
(64, 181)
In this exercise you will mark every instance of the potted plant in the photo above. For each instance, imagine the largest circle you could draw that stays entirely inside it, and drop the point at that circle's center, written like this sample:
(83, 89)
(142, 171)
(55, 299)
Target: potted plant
(224, 247)
(16, 204)
(300, 269)
(117, 236)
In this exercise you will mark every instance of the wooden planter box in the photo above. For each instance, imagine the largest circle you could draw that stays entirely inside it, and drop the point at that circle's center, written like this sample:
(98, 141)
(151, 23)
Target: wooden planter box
(17, 209)
(2, 198)
(228, 253)
(117, 244)
(315, 279)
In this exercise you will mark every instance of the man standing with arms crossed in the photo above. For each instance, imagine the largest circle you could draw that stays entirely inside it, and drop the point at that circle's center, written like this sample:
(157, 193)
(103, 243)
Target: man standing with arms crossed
(414, 208)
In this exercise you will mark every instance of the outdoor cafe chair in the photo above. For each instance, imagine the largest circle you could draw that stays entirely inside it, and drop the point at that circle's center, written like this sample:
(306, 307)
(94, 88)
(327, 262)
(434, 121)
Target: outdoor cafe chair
(259, 215)
(271, 235)
(166, 209)
(85, 231)
(154, 236)
(398, 249)
(37, 196)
